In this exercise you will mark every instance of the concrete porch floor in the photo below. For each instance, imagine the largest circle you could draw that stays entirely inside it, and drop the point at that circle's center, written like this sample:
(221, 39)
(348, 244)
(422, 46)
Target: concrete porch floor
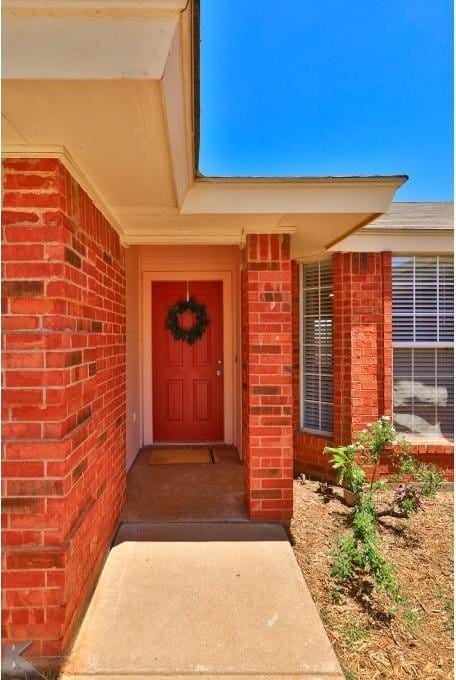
(202, 600)
(186, 492)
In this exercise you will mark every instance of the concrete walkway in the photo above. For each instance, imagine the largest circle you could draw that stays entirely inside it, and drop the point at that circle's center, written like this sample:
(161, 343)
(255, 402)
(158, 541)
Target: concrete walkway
(201, 601)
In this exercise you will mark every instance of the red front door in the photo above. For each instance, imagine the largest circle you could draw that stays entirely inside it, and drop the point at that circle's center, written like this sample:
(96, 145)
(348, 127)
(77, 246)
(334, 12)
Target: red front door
(187, 379)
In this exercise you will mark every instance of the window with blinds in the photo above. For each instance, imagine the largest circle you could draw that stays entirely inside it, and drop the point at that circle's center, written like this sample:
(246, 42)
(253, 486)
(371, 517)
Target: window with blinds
(317, 347)
(423, 318)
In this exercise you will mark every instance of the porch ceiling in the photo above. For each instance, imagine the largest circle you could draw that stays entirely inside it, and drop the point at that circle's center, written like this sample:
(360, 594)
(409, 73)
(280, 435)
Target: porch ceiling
(113, 129)
(106, 86)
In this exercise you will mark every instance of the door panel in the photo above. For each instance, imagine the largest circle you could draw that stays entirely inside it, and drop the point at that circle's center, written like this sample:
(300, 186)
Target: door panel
(187, 392)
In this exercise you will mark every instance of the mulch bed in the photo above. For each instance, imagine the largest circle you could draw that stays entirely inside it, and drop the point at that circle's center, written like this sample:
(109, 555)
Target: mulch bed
(372, 638)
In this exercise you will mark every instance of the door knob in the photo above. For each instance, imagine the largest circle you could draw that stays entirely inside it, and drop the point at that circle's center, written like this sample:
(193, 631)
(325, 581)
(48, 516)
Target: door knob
(218, 372)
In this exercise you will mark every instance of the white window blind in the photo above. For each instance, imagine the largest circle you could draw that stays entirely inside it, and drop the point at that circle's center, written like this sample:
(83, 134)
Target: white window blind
(423, 319)
(317, 347)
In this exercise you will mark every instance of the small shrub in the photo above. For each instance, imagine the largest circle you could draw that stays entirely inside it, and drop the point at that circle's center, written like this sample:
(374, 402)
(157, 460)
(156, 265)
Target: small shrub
(430, 479)
(357, 551)
(344, 558)
(349, 474)
(377, 437)
(407, 497)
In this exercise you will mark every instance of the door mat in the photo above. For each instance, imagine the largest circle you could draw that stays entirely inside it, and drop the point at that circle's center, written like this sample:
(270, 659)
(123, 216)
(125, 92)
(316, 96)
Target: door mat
(176, 456)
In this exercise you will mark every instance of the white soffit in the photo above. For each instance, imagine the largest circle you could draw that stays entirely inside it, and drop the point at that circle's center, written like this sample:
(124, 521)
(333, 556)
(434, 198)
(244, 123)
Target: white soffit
(114, 130)
(85, 48)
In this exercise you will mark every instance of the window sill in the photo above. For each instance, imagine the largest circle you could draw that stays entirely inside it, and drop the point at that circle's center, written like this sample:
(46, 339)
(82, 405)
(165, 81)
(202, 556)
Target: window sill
(316, 433)
(430, 441)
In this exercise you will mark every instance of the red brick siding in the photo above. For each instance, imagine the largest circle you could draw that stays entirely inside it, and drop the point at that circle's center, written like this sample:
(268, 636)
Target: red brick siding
(63, 400)
(266, 376)
(363, 361)
(359, 314)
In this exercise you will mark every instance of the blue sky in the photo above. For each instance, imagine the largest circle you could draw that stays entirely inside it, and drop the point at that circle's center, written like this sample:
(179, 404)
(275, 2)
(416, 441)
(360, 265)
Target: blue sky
(325, 87)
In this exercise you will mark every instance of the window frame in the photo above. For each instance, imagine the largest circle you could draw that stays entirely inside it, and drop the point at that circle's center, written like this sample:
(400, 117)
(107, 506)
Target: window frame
(304, 429)
(417, 344)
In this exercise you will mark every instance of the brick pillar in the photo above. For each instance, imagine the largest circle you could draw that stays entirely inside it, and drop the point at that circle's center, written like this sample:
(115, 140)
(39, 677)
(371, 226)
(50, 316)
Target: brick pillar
(267, 377)
(362, 341)
(63, 400)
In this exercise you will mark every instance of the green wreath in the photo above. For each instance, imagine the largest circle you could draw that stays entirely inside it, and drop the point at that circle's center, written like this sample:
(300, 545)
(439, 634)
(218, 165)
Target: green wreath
(191, 335)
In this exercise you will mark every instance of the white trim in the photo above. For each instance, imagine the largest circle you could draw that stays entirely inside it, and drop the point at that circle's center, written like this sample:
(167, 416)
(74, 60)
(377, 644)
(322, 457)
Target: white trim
(434, 242)
(311, 259)
(198, 237)
(422, 345)
(295, 196)
(229, 355)
(61, 153)
(173, 94)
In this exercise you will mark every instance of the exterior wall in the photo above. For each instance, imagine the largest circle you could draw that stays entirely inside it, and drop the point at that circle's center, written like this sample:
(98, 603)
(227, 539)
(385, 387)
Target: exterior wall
(362, 332)
(133, 358)
(63, 400)
(267, 376)
(363, 363)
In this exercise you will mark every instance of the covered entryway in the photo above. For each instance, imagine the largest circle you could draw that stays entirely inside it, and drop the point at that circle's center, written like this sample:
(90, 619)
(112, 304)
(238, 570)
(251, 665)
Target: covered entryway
(187, 376)
(191, 393)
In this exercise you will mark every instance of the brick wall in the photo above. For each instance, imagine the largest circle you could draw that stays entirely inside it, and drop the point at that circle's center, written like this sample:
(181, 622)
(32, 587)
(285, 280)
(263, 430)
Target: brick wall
(361, 306)
(266, 376)
(363, 362)
(63, 399)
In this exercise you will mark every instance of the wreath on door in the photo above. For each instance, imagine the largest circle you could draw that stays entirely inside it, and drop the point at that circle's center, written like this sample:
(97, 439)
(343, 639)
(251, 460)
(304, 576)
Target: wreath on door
(196, 332)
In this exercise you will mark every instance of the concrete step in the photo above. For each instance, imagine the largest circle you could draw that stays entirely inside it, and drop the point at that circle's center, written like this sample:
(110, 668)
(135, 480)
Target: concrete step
(202, 601)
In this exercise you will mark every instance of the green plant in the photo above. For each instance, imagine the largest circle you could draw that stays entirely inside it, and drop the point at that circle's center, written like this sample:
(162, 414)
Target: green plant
(357, 551)
(336, 595)
(448, 606)
(406, 467)
(325, 617)
(353, 634)
(430, 479)
(349, 675)
(412, 618)
(376, 438)
(349, 474)
(407, 497)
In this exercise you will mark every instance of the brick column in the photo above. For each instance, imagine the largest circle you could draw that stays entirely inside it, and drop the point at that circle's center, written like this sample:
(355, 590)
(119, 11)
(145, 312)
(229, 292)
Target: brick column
(63, 400)
(362, 341)
(267, 377)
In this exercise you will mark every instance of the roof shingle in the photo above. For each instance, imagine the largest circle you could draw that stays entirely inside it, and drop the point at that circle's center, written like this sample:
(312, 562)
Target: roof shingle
(415, 217)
